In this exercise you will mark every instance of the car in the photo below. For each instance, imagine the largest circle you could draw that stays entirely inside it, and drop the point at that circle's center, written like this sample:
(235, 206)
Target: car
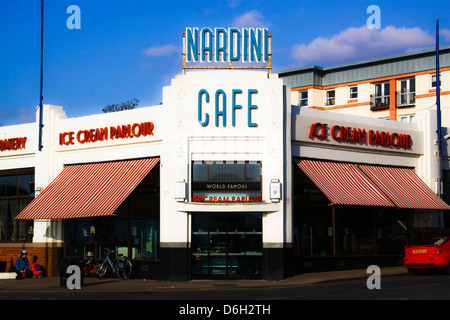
(429, 255)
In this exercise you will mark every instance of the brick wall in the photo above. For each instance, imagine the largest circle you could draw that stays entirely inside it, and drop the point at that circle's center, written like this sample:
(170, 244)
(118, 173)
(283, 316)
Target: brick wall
(47, 256)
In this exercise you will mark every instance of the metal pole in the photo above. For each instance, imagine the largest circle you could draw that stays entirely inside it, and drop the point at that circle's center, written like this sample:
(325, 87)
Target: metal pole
(438, 89)
(42, 76)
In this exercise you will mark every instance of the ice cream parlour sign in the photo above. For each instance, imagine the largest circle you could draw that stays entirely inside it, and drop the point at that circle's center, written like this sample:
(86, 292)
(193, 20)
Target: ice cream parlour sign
(346, 134)
(126, 131)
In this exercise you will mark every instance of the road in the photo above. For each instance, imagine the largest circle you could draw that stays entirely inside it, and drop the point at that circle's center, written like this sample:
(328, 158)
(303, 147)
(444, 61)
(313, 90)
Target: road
(227, 301)
(398, 287)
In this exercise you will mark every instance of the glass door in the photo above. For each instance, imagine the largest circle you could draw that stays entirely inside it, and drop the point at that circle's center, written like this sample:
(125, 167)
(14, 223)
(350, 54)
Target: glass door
(226, 245)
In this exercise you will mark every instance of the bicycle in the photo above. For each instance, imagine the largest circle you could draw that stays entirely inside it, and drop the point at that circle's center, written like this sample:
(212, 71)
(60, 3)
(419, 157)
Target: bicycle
(122, 268)
(89, 268)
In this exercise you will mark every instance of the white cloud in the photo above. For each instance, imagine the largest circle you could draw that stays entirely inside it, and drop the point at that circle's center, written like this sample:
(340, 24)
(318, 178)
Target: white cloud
(251, 19)
(355, 44)
(160, 51)
(445, 33)
(26, 114)
(234, 3)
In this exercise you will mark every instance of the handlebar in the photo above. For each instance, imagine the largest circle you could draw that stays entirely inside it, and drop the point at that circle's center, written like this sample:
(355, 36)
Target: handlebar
(108, 252)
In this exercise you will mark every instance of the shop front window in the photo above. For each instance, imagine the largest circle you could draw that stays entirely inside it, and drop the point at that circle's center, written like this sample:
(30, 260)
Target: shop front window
(16, 192)
(133, 231)
(227, 181)
(394, 230)
(355, 231)
(321, 229)
(90, 237)
(313, 234)
(144, 239)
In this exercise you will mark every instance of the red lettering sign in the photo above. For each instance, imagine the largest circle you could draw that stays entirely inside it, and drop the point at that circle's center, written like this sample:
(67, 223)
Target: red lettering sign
(358, 135)
(318, 130)
(13, 144)
(100, 134)
(220, 199)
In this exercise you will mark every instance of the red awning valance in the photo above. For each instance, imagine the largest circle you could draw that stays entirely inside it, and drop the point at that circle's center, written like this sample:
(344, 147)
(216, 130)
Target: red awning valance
(404, 188)
(344, 184)
(364, 185)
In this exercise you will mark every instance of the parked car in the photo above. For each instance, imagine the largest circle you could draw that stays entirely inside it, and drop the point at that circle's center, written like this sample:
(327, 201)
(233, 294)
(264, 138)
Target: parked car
(433, 254)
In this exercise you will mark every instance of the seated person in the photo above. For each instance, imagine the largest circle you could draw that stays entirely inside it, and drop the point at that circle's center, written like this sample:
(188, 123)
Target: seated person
(22, 265)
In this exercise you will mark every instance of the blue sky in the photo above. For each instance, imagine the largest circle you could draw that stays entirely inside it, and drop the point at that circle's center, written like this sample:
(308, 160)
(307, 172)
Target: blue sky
(131, 49)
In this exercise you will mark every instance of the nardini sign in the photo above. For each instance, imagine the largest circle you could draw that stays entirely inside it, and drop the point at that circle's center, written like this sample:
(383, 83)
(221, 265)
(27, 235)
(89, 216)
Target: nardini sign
(227, 45)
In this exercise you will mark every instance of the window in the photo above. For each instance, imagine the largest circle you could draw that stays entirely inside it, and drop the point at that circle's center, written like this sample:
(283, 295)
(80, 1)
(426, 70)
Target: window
(226, 181)
(226, 171)
(406, 95)
(380, 99)
(89, 237)
(303, 98)
(434, 80)
(331, 98)
(16, 192)
(407, 118)
(353, 93)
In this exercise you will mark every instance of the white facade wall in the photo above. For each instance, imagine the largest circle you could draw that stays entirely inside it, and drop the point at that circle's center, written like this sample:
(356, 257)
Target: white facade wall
(187, 141)
(267, 129)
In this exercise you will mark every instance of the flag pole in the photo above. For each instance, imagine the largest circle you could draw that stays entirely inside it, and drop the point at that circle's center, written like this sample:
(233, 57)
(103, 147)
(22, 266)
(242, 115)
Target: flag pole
(41, 77)
(438, 90)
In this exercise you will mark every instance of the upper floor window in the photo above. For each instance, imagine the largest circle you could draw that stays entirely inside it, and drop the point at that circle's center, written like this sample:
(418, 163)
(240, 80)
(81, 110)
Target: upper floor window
(353, 93)
(380, 99)
(406, 95)
(331, 97)
(303, 98)
(434, 80)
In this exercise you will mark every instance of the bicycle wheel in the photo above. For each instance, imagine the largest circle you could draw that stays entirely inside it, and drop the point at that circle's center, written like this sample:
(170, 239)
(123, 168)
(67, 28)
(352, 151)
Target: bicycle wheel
(86, 270)
(124, 272)
(102, 269)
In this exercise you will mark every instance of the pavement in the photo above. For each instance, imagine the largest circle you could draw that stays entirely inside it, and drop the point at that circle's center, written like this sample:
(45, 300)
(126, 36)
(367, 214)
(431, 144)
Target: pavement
(53, 284)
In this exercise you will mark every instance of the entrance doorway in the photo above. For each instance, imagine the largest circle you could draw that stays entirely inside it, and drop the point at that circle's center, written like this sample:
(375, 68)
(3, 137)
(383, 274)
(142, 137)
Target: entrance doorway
(226, 245)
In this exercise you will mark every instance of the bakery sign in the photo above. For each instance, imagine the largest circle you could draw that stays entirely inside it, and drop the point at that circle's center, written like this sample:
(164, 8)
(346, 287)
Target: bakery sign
(126, 131)
(346, 134)
(13, 143)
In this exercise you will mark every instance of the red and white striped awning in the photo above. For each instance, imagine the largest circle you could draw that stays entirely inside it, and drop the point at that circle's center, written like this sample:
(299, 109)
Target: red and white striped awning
(88, 190)
(344, 184)
(404, 188)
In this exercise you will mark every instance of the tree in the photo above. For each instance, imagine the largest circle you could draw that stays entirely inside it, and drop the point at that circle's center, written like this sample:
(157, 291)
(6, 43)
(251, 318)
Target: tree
(128, 105)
